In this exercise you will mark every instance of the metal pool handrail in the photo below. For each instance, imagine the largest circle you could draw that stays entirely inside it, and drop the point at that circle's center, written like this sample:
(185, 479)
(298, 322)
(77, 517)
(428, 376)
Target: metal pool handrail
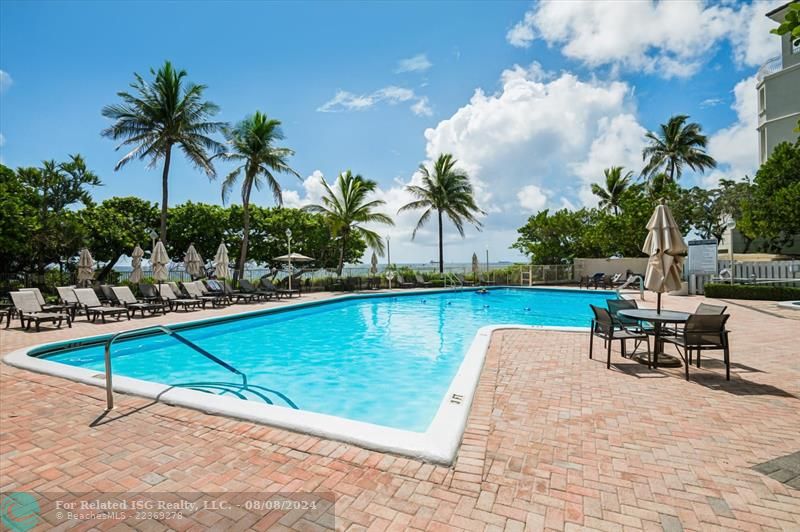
(453, 280)
(169, 332)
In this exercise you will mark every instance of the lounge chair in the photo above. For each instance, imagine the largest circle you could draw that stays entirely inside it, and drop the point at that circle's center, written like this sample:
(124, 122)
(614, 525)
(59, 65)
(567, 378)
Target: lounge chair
(90, 303)
(402, 283)
(703, 332)
(59, 307)
(268, 286)
(168, 295)
(125, 297)
(149, 292)
(236, 295)
(422, 282)
(195, 292)
(67, 296)
(28, 309)
(604, 326)
(248, 288)
(109, 295)
(463, 281)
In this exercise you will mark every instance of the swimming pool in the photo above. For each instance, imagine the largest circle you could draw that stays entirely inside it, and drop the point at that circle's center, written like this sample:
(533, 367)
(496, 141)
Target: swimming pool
(389, 361)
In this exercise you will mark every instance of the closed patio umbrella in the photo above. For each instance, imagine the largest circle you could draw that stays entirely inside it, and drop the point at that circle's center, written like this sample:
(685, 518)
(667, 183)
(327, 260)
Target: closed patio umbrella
(193, 262)
(221, 261)
(373, 269)
(666, 249)
(136, 264)
(476, 267)
(159, 260)
(85, 267)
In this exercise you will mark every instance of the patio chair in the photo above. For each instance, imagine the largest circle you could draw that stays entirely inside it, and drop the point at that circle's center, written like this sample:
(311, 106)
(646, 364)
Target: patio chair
(28, 309)
(402, 283)
(267, 285)
(597, 280)
(125, 297)
(604, 326)
(168, 295)
(248, 288)
(67, 297)
(710, 310)
(586, 281)
(109, 294)
(149, 292)
(463, 281)
(422, 282)
(88, 300)
(703, 332)
(195, 292)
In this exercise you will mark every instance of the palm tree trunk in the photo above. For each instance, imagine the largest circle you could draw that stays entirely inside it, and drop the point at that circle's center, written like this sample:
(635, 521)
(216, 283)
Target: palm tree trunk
(441, 245)
(672, 172)
(165, 194)
(341, 255)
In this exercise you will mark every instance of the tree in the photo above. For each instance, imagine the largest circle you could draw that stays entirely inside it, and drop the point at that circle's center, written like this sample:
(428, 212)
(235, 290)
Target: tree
(616, 184)
(54, 187)
(19, 206)
(677, 144)
(553, 238)
(446, 191)
(115, 226)
(201, 224)
(772, 210)
(252, 143)
(160, 115)
(347, 207)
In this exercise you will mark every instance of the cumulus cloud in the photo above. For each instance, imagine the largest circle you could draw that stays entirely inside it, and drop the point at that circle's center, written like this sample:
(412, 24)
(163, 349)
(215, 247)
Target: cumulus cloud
(418, 63)
(5, 81)
(736, 147)
(344, 101)
(313, 190)
(670, 39)
(532, 198)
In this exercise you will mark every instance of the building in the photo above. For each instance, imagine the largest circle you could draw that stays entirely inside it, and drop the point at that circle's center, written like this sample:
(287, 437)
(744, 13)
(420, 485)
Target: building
(778, 85)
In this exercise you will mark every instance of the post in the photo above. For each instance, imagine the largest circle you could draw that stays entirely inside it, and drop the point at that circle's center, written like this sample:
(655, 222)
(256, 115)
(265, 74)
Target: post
(289, 246)
(487, 263)
(109, 391)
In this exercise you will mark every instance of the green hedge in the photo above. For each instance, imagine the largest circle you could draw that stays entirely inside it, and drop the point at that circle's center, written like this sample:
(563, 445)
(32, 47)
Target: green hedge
(745, 291)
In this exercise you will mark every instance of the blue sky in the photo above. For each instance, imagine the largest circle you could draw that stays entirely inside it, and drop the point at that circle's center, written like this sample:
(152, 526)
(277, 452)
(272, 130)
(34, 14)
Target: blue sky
(556, 102)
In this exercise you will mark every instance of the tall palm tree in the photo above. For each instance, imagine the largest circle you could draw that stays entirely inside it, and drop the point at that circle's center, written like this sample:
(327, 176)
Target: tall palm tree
(346, 207)
(162, 114)
(677, 144)
(616, 184)
(445, 190)
(252, 143)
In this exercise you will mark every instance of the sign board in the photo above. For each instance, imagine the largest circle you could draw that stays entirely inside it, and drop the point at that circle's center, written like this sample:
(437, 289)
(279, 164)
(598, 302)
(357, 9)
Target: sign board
(702, 257)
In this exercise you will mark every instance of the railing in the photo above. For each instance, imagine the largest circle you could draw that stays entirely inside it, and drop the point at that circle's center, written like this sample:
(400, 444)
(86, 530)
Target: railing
(454, 280)
(772, 65)
(169, 332)
(632, 279)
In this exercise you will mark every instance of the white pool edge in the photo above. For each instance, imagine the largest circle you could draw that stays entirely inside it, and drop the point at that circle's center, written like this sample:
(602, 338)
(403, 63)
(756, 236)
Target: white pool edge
(439, 444)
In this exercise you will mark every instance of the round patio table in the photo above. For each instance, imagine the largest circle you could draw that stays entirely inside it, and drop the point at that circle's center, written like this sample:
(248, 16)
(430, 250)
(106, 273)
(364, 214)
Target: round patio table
(658, 319)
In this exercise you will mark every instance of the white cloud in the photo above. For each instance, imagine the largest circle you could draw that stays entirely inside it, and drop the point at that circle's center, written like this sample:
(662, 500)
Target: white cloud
(736, 147)
(5, 81)
(418, 63)
(532, 198)
(421, 107)
(667, 38)
(347, 101)
(712, 102)
(313, 190)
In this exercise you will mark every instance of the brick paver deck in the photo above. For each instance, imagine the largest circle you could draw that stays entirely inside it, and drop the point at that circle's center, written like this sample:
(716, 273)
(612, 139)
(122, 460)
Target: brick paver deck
(554, 441)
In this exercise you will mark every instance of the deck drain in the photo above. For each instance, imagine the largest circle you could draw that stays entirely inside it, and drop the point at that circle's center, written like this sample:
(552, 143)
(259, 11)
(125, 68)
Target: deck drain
(456, 399)
(785, 469)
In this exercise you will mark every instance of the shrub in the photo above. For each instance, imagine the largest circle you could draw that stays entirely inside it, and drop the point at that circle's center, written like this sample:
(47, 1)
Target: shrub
(749, 291)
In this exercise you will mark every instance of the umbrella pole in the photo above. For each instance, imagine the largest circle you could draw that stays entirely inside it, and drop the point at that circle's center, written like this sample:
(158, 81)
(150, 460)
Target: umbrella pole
(658, 303)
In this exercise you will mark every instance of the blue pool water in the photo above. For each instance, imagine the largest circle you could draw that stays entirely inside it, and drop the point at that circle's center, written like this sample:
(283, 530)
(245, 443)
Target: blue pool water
(382, 360)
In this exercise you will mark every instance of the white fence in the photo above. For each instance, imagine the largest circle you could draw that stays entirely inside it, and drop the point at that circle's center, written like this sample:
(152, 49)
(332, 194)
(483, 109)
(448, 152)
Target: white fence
(762, 272)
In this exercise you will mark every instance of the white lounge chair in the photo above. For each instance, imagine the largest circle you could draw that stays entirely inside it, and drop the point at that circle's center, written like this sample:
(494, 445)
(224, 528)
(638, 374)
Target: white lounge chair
(29, 309)
(88, 300)
(129, 301)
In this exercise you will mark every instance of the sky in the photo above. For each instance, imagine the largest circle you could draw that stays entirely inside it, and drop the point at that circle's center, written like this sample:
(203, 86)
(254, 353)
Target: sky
(533, 99)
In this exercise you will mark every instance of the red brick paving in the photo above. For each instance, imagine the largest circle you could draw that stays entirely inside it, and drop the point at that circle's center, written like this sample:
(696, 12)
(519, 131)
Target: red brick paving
(555, 441)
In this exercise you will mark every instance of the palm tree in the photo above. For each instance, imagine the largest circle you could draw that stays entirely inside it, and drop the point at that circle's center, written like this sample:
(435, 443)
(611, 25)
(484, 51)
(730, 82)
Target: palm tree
(252, 143)
(346, 207)
(446, 191)
(160, 115)
(677, 144)
(616, 185)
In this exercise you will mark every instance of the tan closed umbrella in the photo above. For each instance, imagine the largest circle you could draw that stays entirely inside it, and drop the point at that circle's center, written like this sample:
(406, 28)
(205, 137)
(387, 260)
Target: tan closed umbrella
(666, 249)
(85, 267)
(373, 269)
(136, 264)
(221, 260)
(193, 262)
(159, 260)
(476, 267)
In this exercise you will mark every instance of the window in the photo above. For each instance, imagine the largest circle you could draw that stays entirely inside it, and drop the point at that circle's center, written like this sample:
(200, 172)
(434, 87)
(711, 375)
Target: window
(762, 144)
(762, 100)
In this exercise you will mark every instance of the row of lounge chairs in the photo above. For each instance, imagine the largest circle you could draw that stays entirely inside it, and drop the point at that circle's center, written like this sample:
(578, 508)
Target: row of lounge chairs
(604, 281)
(420, 282)
(119, 301)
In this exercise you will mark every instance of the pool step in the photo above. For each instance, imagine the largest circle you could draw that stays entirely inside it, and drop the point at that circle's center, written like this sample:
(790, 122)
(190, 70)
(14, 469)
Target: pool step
(249, 392)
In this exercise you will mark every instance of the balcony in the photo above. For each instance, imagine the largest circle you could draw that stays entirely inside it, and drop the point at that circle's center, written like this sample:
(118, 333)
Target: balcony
(770, 67)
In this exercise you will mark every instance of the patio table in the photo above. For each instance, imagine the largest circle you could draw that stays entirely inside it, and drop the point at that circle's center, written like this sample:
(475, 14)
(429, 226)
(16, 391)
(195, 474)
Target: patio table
(658, 319)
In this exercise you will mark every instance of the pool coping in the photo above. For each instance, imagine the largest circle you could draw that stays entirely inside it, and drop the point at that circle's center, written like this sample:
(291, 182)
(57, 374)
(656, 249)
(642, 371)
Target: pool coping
(438, 444)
